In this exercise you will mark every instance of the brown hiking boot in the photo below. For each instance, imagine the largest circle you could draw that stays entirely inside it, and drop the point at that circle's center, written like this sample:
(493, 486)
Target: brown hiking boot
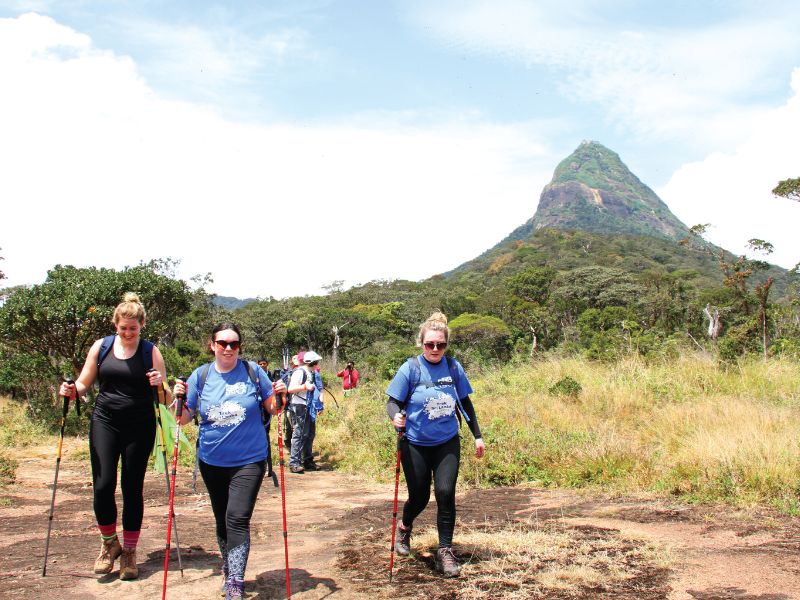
(402, 545)
(109, 552)
(127, 564)
(446, 562)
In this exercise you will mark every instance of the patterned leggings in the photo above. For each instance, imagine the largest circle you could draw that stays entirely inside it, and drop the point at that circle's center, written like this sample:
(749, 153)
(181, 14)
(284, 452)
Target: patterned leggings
(233, 492)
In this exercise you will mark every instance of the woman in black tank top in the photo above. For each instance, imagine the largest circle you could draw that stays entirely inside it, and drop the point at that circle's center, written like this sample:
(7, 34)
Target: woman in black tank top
(123, 428)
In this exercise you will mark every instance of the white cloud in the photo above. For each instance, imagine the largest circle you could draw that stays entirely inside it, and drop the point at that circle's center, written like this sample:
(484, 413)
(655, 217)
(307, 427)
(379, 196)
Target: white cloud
(732, 191)
(678, 83)
(100, 170)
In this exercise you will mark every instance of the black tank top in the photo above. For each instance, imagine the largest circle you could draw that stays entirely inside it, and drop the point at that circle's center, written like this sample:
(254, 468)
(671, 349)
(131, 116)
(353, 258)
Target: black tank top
(125, 391)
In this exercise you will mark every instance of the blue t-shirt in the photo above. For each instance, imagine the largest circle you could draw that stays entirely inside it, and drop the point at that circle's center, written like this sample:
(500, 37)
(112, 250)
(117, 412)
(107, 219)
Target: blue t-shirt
(431, 411)
(231, 431)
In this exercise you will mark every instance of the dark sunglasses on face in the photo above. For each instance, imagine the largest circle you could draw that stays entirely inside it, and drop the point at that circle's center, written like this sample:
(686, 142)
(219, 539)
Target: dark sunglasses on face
(435, 345)
(234, 345)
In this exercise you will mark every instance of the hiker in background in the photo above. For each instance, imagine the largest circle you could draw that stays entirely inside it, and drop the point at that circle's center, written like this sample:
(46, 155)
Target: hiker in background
(315, 406)
(301, 386)
(424, 398)
(232, 449)
(123, 426)
(349, 377)
(264, 364)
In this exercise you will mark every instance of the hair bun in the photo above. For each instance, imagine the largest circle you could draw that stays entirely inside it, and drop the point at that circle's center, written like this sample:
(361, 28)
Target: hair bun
(131, 297)
(438, 317)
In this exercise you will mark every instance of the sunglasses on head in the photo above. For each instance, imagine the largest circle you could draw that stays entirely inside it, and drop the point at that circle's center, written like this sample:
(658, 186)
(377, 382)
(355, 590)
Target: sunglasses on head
(435, 345)
(234, 345)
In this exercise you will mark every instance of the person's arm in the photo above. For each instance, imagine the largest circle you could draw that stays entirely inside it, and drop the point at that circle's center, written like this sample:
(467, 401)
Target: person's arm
(395, 411)
(88, 374)
(469, 409)
(159, 373)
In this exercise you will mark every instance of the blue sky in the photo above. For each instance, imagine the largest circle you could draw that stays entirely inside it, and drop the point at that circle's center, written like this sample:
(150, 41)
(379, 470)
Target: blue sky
(375, 140)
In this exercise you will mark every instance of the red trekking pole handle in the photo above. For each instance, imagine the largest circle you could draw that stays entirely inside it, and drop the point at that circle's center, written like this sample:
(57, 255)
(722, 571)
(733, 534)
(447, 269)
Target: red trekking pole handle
(178, 414)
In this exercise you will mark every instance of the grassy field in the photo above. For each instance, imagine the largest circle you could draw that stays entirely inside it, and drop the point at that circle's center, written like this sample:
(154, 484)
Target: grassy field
(690, 428)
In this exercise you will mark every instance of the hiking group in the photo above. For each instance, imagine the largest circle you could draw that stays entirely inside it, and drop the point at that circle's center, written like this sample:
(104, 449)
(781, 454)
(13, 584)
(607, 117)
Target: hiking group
(233, 401)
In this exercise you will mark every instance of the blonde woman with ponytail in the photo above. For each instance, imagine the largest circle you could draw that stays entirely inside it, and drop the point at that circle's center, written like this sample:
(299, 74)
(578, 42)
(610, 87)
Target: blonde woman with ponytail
(424, 398)
(122, 428)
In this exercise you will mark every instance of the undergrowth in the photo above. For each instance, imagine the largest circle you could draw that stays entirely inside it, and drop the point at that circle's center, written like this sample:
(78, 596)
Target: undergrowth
(690, 428)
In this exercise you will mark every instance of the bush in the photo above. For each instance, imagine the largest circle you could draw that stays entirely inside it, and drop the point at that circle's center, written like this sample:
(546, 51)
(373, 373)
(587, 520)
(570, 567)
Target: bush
(8, 470)
(567, 386)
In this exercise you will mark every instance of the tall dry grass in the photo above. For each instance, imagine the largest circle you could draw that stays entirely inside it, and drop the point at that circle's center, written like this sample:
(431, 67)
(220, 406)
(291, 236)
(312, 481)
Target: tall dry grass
(689, 427)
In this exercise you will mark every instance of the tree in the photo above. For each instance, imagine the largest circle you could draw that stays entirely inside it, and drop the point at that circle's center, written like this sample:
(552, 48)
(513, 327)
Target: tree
(485, 335)
(60, 319)
(788, 188)
(737, 273)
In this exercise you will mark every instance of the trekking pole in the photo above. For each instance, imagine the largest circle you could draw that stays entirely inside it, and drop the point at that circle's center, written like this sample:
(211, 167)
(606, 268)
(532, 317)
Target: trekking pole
(332, 396)
(400, 435)
(178, 414)
(156, 401)
(196, 456)
(64, 411)
(282, 401)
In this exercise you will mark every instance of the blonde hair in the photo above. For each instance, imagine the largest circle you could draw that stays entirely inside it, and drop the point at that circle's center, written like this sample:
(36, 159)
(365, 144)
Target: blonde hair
(436, 322)
(130, 308)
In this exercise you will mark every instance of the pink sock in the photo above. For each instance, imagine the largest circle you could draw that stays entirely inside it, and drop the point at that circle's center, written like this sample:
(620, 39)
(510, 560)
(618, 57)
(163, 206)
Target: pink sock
(107, 531)
(130, 539)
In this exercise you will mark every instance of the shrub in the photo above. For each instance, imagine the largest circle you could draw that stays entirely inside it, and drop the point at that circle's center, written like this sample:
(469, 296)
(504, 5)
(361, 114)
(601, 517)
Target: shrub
(566, 386)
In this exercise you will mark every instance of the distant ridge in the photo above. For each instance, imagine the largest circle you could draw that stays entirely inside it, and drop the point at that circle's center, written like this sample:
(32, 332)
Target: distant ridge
(231, 302)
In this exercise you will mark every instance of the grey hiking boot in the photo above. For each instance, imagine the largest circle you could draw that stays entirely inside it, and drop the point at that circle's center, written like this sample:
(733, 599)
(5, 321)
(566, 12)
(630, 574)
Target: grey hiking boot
(109, 552)
(402, 545)
(446, 562)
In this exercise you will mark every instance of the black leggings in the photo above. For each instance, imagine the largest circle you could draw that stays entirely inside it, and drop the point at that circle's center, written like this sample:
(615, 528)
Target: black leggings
(109, 440)
(233, 492)
(441, 462)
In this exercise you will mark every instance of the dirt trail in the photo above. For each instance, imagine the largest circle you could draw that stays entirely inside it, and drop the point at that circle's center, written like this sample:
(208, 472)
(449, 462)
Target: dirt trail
(338, 543)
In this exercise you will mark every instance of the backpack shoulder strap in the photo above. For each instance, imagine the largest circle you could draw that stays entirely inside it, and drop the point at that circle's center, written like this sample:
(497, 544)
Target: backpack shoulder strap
(147, 354)
(253, 375)
(414, 375)
(202, 378)
(105, 348)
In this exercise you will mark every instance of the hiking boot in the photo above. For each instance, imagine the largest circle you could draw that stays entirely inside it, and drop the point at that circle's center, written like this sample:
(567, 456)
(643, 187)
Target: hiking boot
(296, 469)
(109, 552)
(402, 545)
(127, 564)
(446, 562)
(310, 465)
(235, 590)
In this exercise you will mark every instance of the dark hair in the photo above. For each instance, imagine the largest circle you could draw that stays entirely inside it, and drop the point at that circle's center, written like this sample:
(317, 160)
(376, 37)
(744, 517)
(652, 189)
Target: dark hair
(226, 325)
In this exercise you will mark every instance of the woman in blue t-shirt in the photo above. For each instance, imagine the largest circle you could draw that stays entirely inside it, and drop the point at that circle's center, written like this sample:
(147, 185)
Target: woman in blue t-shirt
(232, 449)
(424, 396)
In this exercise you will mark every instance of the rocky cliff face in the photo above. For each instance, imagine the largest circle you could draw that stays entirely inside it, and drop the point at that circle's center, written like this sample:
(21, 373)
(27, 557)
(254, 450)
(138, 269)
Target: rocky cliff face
(593, 190)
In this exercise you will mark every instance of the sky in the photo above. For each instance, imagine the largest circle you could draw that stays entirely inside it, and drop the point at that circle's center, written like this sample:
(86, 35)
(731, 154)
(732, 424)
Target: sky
(282, 146)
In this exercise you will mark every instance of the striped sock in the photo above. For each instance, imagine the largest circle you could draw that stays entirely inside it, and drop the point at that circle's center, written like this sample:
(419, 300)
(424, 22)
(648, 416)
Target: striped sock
(130, 539)
(107, 532)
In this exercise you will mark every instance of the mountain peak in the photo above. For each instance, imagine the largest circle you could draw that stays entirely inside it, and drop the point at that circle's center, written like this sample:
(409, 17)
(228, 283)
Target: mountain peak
(593, 190)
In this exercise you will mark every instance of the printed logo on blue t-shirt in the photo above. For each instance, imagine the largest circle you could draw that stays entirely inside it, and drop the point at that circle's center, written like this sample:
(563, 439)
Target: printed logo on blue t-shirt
(439, 406)
(227, 414)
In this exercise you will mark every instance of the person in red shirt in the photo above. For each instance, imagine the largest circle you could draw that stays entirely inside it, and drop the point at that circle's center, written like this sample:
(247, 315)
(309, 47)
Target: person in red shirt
(349, 377)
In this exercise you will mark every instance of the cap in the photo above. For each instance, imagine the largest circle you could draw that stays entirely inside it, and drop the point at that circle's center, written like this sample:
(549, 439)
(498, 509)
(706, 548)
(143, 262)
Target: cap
(311, 357)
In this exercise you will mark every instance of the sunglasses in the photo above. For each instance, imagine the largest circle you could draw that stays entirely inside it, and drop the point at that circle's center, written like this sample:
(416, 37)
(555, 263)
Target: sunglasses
(234, 345)
(435, 345)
